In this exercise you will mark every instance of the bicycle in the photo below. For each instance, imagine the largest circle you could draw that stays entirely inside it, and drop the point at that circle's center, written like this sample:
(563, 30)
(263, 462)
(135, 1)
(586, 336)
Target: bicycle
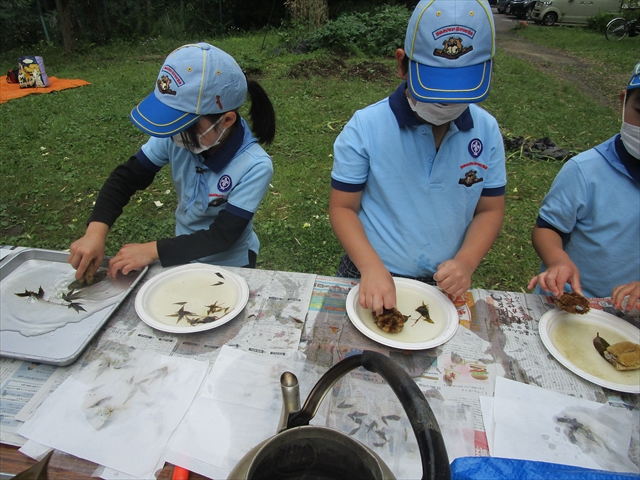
(618, 28)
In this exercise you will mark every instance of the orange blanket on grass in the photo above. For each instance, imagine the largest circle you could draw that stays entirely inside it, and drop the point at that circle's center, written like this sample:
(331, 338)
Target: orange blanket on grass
(9, 91)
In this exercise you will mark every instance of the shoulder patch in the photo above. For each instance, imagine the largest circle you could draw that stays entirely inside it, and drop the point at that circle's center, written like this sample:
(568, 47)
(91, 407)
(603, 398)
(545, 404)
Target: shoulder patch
(225, 183)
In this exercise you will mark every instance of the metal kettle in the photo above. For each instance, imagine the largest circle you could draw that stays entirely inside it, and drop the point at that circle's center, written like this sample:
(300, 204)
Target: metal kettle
(304, 451)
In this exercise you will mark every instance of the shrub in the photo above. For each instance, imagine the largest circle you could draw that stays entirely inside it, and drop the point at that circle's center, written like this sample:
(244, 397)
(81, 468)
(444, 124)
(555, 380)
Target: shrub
(376, 33)
(598, 23)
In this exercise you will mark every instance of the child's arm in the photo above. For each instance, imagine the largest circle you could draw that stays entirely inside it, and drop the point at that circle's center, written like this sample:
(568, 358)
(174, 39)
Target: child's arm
(632, 290)
(377, 289)
(560, 268)
(454, 276)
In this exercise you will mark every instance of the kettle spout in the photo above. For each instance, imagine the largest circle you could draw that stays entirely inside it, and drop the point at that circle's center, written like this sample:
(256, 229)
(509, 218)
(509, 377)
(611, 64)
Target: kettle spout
(290, 398)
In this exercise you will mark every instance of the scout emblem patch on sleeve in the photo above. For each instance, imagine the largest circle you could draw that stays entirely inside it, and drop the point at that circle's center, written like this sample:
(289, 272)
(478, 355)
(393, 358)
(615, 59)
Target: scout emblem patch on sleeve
(225, 183)
(470, 178)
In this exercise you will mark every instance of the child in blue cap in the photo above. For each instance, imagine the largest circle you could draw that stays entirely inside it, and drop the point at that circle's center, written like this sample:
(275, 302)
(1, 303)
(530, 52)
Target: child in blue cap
(419, 178)
(588, 231)
(219, 170)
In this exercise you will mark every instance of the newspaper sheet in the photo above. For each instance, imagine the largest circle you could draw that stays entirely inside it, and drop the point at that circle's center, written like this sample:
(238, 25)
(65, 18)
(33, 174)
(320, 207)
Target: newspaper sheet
(497, 336)
(271, 324)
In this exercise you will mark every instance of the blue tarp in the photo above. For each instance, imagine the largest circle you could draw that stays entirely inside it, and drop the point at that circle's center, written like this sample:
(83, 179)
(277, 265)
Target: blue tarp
(493, 468)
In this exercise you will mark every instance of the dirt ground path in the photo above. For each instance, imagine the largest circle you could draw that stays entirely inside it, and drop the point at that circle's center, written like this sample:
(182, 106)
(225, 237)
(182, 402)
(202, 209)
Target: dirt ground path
(554, 62)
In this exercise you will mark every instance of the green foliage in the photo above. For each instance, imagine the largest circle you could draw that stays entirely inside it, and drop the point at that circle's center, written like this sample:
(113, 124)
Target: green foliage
(97, 22)
(607, 57)
(380, 32)
(19, 21)
(598, 23)
(63, 145)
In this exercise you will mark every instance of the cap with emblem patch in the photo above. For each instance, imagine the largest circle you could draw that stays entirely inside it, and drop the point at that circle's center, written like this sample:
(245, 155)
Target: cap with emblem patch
(195, 80)
(450, 45)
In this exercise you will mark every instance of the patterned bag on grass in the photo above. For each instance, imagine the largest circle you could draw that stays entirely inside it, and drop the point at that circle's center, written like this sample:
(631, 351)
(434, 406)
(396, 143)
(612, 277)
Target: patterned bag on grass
(31, 72)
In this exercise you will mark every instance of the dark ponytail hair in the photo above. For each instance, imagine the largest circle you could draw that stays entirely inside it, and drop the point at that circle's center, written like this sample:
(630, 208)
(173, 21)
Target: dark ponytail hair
(263, 117)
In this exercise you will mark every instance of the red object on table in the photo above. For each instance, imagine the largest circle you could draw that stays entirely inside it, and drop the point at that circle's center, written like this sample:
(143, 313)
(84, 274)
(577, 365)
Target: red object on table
(180, 473)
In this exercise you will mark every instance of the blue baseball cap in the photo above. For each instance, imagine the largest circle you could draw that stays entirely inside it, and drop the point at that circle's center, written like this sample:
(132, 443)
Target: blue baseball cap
(450, 45)
(634, 80)
(195, 80)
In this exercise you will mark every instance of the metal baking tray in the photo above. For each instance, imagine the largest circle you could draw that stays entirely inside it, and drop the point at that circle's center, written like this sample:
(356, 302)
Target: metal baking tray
(27, 270)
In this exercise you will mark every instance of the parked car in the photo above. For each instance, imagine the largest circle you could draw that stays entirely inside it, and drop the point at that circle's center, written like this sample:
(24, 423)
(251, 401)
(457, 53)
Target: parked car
(549, 12)
(522, 8)
(501, 5)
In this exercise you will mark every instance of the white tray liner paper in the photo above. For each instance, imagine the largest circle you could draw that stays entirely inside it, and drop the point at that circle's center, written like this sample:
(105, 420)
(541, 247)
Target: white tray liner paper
(113, 406)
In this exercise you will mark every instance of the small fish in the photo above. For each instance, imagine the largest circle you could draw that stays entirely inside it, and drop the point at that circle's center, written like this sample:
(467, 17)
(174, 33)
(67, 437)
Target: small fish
(202, 320)
(358, 414)
(214, 307)
(379, 444)
(99, 402)
(390, 417)
(423, 310)
(600, 344)
(345, 405)
(381, 434)
(373, 424)
(220, 275)
(352, 432)
(216, 284)
(181, 314)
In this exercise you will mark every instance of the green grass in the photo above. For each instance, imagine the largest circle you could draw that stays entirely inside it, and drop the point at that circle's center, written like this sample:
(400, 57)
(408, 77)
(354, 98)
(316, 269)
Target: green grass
(58, 148)
(612, 56)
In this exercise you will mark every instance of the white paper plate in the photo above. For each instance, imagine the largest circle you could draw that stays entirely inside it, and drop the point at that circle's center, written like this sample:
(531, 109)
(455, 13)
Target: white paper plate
(569, 338)
(418, 335)
(201, 289)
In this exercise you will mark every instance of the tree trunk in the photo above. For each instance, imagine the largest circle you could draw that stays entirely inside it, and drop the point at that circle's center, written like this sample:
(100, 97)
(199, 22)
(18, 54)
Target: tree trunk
(68, 37)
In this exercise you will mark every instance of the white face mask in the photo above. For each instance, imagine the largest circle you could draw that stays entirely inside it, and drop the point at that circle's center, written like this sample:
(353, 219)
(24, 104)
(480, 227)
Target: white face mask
(437, 113)
(630, 135)
(177, 139)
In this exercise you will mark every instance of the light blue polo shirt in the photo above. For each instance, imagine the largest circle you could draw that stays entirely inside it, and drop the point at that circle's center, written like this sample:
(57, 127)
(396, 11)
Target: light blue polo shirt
(235, 178)
(595, 202)
(417, 203)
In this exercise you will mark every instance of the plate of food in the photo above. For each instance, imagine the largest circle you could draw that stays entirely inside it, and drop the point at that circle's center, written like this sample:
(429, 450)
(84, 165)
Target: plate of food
(424, 317)
(191, 298)
(596, 346)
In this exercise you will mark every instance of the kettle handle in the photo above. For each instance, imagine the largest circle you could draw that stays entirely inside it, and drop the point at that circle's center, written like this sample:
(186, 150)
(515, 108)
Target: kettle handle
(433, 453)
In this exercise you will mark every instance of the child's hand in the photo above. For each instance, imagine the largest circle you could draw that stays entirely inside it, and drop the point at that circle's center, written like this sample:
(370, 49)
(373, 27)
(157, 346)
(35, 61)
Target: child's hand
(88, 248)
(377, 291)
(554, 278)
(631, 290)
(133, 256)
(453, 277)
